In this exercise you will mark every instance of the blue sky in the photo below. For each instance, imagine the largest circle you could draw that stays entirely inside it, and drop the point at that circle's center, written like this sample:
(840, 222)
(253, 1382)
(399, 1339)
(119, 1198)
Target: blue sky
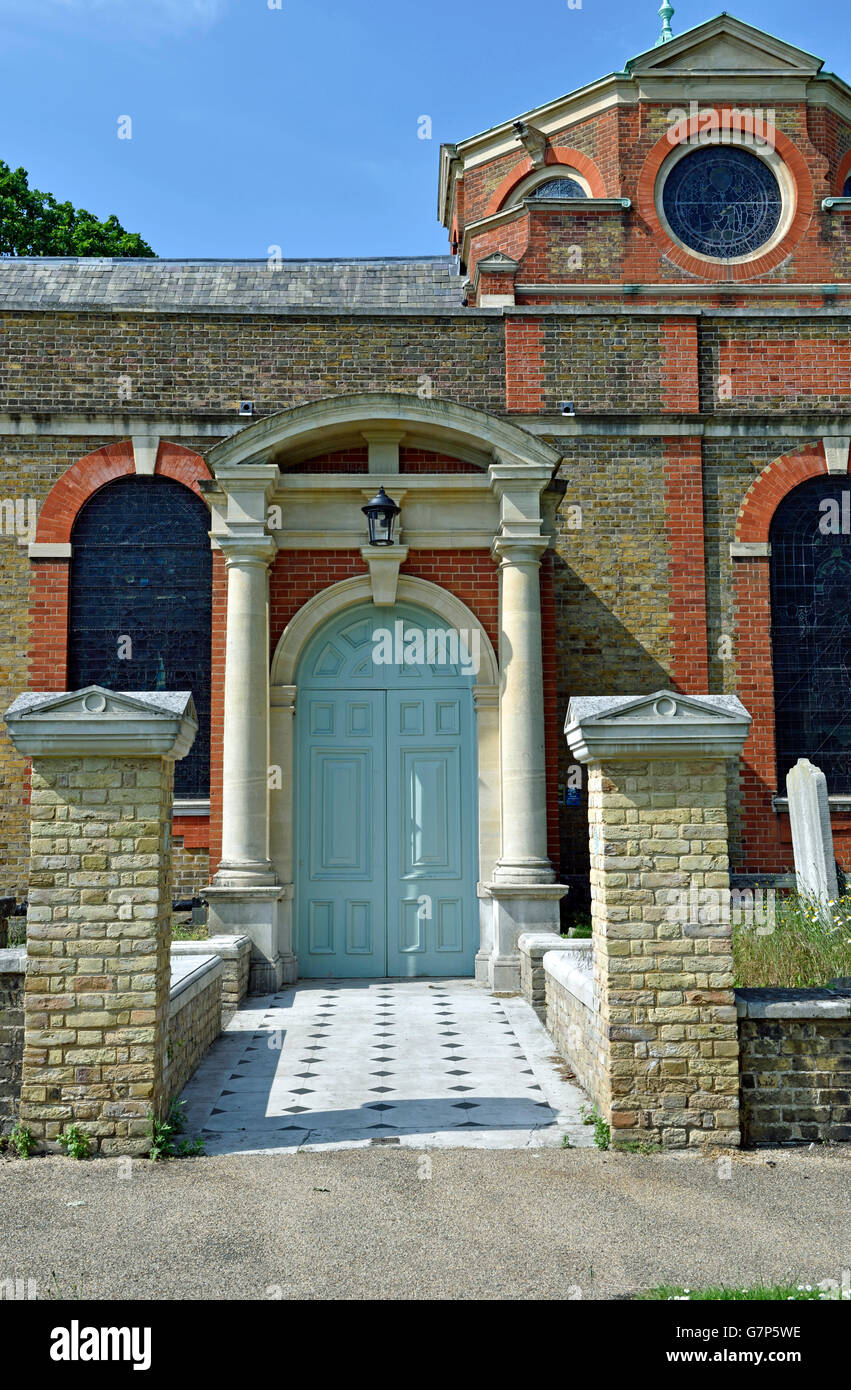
(254, 126)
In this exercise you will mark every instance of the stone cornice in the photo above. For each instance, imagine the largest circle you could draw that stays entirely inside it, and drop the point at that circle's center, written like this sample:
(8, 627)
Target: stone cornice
(95, 722)
(665, 724)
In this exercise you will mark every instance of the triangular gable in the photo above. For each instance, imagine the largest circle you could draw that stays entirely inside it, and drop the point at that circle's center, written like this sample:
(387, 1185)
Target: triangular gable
(725, 45)
(96, 700)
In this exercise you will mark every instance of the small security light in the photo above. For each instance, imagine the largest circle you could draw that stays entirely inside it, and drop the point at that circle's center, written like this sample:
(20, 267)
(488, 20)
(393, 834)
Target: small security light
(246, 407)
(381, 514)
(566, 407)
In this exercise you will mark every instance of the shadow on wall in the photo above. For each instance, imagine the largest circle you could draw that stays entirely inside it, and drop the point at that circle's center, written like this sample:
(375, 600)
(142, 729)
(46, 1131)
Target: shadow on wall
(596, 655)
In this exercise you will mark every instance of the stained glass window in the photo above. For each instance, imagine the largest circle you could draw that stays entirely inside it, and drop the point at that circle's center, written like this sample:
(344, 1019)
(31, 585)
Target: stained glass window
(141, 602)
(811, 629)
(559, 188)
(722, 201)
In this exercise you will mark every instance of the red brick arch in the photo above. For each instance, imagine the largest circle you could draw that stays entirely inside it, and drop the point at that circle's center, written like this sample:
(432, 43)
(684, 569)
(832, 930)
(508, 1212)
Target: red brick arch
(774, 482)
(556, 154)
(88, 475)
(766, 833)
(842, 173)
(738, 123)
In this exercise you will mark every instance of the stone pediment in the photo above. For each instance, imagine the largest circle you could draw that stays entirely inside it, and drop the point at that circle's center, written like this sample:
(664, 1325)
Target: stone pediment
(664, 724)
(96, 722)
(497, 260)
(725, 46)
(97, 702)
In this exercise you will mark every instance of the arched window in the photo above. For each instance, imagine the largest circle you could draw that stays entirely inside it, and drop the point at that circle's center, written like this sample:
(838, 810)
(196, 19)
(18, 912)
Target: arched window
(846, 187)
(811, 629)
(558, 188)
(141, 601)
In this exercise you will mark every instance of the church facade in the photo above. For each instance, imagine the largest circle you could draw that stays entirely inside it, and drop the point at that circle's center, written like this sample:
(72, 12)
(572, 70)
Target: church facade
(615, 421)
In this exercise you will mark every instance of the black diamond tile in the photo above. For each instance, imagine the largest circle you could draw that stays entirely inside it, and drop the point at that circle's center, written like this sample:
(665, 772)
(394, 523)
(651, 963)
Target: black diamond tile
(470, 1124)
(218, 1112)
(303, 1075)
(378, 1090)
(296, 1109)
(302, 1091)
(461, 1088)
(457, 1071)
(382, 1073)
(380, 1126)
(384, 1047)
(229, 1093)
(381, 1105)
(465, 1105)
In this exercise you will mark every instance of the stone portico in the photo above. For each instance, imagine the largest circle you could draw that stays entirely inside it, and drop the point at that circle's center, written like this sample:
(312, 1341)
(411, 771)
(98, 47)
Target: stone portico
(260, 506)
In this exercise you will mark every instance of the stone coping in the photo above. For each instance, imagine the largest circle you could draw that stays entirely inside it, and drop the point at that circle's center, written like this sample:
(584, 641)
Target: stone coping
(13, 960)
(578, 982)
(794, 1003)
(192, 974)
(538, 942)
(226, 947)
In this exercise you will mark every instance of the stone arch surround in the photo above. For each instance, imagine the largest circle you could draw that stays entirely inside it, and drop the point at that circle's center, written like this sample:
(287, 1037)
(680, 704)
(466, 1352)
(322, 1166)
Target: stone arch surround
(314, 614)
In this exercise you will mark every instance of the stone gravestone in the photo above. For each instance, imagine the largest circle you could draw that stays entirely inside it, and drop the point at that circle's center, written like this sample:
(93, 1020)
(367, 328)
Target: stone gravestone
(812, 837)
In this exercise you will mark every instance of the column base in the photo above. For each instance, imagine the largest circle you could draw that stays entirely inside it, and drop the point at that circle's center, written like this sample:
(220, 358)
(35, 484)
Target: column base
(517, 908)
(254, 911)
(250, 874)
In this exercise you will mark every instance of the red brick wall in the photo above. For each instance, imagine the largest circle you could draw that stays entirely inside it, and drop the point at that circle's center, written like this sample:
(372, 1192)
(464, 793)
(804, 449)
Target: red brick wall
(774, 366)
(689, 663)
(48, 664)
(524, 364)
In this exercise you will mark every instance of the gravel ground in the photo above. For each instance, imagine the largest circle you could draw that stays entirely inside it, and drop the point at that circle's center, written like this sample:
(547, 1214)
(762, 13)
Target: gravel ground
(385, 1223)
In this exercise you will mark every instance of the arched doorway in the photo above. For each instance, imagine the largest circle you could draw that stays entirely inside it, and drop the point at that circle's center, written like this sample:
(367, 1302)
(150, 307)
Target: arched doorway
(386, 815)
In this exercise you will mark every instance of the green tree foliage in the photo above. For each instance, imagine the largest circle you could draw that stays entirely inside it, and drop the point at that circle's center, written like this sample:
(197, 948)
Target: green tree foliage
(34, 224)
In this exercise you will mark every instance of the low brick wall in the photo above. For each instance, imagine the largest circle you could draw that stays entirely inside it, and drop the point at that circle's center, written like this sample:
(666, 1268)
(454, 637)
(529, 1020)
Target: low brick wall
(12, 974)
(195, 1016)
(573, 1018)
(795, 1065)
(532, 946)
(235, 955)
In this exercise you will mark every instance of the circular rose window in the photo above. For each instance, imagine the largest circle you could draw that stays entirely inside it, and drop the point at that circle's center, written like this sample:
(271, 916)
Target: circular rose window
(722, 201)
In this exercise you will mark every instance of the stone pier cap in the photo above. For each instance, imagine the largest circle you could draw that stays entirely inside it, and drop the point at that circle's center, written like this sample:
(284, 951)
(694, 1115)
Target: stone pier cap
(665, 724)
(94, 722)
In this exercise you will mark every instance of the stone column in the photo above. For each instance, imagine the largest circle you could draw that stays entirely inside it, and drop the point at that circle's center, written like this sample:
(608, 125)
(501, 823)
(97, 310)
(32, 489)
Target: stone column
(99, 923)
(664, 1018)
(244, 896)
(245, 757)
(523, 856)
(523, 892)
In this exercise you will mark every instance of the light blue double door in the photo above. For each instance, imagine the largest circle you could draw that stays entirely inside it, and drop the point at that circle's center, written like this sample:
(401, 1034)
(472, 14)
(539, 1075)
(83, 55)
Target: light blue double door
(386, 824)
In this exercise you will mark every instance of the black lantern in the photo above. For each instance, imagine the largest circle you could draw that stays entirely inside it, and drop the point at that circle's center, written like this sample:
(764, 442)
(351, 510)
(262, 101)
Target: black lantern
(381, 513)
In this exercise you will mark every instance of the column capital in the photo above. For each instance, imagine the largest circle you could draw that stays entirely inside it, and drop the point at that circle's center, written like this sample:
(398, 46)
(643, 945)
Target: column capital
(247, 549)
(519, 550)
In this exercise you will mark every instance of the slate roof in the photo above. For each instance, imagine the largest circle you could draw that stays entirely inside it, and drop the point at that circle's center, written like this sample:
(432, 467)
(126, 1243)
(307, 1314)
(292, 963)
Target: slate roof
(421, 284)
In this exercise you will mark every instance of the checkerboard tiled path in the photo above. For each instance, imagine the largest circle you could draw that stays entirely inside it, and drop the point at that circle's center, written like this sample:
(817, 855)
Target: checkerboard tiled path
(426, 1063)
